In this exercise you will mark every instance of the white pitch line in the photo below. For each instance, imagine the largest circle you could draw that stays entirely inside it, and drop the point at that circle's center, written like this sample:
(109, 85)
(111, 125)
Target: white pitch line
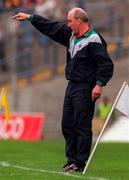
(19, 174)
(6, 164)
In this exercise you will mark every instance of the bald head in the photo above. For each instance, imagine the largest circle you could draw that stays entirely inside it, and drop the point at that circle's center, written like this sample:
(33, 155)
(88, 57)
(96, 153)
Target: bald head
(79, 13)
(77, 21)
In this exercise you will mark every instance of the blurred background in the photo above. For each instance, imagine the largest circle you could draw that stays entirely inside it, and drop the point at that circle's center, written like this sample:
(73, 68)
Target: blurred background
(32, 65)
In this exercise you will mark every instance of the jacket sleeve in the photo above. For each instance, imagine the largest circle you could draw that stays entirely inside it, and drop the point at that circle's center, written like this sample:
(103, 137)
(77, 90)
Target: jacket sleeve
(104, 64)
(58, 31)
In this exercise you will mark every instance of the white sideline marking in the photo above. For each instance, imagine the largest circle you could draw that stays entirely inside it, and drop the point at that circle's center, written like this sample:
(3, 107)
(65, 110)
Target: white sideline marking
(6, 164)
(18, 174)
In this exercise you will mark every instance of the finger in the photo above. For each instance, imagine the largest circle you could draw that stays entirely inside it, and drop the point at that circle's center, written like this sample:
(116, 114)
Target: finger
(16, 17)
(95, 97)
(96, 93)
(12, 17)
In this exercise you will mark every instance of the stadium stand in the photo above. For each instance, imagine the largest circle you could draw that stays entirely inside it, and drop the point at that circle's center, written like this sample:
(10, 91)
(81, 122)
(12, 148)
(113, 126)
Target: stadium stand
(40, 77)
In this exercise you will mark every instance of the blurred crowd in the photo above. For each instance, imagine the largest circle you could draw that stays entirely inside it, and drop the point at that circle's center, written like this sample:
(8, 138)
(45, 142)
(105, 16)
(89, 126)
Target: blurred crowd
(22, 34)
(40, 6)
(6, 5)
(51, 7)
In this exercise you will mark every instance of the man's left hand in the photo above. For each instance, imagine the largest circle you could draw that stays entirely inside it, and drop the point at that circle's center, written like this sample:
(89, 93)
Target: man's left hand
(96, 92)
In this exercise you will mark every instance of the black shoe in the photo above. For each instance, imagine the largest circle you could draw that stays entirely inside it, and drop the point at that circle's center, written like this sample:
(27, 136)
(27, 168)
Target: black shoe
(80, 169)
(66, 167)
(73, 168)
(70, 168)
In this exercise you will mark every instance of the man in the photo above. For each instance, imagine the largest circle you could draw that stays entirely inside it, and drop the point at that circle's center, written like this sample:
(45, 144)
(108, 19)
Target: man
(88, 68)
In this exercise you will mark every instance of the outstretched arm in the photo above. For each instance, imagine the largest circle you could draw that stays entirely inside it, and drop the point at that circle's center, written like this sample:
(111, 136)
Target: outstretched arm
(58, 31)
(21, 16)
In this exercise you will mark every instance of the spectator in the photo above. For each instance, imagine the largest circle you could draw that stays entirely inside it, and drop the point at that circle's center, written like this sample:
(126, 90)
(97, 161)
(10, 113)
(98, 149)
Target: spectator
(24, 41)
(15, 3)
(103, 108)
(101, 113)
(9, 4)
(59, 10)
(44, 8)
(1, 6)
(3, 65)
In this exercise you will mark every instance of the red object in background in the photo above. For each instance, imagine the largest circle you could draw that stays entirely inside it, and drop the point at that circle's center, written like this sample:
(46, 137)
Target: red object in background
(22, 126)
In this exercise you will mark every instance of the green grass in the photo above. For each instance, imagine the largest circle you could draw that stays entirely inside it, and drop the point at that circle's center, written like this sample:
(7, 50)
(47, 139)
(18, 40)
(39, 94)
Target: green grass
(110, 162)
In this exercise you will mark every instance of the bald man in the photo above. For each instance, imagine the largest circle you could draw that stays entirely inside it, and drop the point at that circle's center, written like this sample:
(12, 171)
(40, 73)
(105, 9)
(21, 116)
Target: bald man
(88, 69)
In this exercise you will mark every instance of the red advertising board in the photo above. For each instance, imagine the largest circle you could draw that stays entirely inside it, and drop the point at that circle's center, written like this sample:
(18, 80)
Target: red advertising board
(22, 126)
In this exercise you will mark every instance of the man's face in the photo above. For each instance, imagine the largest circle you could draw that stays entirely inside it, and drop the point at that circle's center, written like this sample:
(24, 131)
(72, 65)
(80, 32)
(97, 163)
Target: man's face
(73, 23)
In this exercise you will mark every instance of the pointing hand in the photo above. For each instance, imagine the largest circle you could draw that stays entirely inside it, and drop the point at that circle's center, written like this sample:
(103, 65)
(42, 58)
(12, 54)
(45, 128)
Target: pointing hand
(21, 16)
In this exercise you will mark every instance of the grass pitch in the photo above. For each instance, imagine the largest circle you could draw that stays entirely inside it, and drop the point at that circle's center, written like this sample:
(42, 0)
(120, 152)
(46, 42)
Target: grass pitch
(44, 160)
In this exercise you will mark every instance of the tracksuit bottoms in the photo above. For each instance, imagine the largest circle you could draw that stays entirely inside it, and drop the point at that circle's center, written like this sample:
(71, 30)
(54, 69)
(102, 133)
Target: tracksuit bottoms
(77, 118)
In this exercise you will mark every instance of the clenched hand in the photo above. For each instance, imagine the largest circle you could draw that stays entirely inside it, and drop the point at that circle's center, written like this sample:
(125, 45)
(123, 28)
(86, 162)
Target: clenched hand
(96, 92)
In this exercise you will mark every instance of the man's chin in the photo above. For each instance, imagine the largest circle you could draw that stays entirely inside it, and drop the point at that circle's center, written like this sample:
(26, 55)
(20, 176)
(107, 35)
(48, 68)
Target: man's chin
(75, 33)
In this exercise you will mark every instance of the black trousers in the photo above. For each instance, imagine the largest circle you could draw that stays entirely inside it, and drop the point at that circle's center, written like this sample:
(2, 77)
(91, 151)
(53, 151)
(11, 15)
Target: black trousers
(77, 117)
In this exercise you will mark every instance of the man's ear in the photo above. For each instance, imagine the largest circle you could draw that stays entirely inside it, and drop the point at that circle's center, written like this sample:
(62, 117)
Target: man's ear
(79, 21)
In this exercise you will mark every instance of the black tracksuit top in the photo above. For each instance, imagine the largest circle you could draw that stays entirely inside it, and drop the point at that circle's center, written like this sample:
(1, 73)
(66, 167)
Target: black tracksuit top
(87, 57)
